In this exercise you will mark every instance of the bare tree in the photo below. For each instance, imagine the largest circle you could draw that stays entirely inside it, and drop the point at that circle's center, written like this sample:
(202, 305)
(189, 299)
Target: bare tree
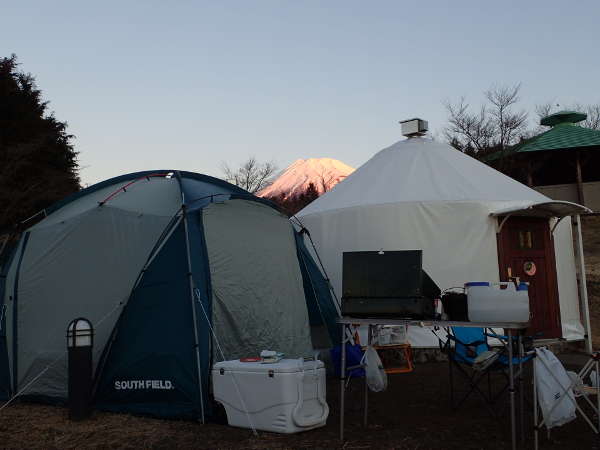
(251, 175)
(325, 181)
(468, 129)
(545, 109)
(508, 125)
(495, 126)
(593, 115)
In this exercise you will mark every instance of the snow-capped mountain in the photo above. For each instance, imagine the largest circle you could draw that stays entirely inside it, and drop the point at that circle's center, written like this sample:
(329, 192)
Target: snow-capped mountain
(324, 173)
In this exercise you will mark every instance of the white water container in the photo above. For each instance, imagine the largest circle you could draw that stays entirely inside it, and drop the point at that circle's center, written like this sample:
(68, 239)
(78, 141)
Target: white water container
(284, 397)
(497, 302)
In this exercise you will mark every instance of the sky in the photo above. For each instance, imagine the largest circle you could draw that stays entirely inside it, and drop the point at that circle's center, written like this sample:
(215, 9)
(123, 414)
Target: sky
(191, 85)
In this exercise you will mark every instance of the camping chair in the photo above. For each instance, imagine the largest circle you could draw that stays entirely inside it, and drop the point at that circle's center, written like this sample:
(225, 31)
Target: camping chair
(469, 353)
(463, 347)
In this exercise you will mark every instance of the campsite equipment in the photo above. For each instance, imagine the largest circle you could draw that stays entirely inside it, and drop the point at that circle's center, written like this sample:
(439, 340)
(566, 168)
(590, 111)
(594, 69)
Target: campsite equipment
(174, 270)
(387, 283)
(354, 355)
(80, 339)
(270, 356)
(497, 302)
(375, 373)
(284, 397)
(423, 194)
(513, 374)
(556, 393)
(552, 381)
(468, 348)
(455, 305)
(390, 335)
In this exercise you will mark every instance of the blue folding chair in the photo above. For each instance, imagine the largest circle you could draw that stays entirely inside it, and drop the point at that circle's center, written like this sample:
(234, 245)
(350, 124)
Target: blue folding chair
(463, 347)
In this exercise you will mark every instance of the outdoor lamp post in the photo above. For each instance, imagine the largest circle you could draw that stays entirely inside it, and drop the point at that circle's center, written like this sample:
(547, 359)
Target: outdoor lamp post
(80, 340)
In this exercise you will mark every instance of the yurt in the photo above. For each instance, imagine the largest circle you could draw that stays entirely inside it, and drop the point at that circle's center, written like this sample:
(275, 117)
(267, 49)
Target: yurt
(174, 271)
(471, 222)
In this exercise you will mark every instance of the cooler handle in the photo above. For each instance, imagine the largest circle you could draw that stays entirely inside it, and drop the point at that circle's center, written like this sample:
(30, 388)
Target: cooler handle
(302, 422)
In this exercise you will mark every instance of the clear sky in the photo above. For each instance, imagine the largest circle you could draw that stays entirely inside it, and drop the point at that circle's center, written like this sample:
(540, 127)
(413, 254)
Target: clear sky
(190, 84)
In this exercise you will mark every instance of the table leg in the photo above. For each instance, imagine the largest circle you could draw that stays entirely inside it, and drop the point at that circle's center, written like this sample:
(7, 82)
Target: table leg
(511, 390)
(366, 385)
(521, 394)
(342, 382)
(535, 410)
(598, 395)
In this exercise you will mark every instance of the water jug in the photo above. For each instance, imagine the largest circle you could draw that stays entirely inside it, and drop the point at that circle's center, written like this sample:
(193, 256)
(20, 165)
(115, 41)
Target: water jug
(497, 302)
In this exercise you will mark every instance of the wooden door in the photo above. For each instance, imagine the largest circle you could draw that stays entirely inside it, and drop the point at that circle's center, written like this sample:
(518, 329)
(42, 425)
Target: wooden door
(526, 250)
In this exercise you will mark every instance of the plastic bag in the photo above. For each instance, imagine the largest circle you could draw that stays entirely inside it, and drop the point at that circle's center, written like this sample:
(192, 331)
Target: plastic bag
(552, 382)
(376, 376)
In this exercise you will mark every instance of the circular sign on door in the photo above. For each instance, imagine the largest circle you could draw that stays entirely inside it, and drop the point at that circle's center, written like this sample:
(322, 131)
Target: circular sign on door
(529, 268)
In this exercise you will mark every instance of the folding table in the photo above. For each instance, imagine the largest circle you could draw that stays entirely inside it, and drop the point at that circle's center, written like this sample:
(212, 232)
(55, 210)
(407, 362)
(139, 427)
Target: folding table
(508, 326)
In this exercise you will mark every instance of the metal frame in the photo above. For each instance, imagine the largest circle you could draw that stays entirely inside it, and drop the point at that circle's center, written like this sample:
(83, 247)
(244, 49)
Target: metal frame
(347, 321)
(583, 293)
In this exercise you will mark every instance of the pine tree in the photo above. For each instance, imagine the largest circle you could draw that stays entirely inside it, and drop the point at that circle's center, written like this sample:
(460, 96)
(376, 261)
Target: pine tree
(291, 205)
(38, 164)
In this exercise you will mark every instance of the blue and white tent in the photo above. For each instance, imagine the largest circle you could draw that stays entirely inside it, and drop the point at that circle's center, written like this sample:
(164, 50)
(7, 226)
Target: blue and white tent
(175, 270)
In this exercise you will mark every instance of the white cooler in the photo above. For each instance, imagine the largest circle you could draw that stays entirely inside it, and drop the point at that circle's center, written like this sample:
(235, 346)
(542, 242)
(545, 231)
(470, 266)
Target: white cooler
(284, 397)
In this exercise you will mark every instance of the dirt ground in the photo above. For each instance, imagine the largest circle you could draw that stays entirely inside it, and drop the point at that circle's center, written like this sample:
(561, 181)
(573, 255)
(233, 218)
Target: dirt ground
(414, 413)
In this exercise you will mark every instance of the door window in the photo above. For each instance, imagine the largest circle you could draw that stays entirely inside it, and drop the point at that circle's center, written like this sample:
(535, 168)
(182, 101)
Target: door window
(527, 239)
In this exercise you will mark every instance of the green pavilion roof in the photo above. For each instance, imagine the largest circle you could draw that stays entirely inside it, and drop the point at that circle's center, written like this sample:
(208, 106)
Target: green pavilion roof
(564, 134)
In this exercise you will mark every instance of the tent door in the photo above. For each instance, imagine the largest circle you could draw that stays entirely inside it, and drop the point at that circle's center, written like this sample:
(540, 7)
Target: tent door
(526, 250)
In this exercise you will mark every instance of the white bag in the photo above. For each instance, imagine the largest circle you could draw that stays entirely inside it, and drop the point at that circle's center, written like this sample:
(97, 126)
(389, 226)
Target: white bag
(374, 371)
(557, 406)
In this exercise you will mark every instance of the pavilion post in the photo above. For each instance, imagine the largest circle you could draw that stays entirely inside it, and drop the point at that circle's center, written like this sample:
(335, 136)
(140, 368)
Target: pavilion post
(579, 177)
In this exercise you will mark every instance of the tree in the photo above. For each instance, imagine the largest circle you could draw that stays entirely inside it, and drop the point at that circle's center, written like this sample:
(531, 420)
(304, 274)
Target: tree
(291, 205)
(38, 164)
(251, 175)
(466, 129)
(496, 125)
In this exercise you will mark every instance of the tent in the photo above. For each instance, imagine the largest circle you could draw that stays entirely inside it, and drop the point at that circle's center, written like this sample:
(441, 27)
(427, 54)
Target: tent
(174, 270)
(465, 216)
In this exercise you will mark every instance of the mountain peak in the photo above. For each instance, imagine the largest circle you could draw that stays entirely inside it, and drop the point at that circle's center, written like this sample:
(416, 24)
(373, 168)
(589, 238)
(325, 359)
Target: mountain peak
(324, 173)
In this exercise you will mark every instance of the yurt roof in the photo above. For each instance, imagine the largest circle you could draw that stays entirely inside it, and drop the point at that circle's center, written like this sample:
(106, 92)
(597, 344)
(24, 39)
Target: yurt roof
(423, 170)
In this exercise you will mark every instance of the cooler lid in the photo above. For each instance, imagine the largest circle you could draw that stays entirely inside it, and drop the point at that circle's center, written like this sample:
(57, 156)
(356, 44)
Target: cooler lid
(283, 366)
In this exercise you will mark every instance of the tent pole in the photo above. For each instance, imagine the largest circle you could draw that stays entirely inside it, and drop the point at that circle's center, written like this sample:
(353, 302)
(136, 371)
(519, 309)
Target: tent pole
(184, 214)
(191, 285)
(583, 293)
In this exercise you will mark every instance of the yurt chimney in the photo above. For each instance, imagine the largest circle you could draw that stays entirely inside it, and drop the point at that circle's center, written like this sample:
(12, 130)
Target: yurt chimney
(414, 127)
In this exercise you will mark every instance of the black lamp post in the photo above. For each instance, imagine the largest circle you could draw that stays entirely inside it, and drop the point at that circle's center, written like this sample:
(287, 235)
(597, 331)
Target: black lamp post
(80, 341)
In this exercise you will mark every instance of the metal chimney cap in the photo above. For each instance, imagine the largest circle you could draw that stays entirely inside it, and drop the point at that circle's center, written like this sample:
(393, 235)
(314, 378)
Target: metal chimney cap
(414, 127)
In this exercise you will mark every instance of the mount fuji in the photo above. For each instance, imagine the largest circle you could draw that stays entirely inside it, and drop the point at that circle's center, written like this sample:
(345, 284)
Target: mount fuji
(324, 173)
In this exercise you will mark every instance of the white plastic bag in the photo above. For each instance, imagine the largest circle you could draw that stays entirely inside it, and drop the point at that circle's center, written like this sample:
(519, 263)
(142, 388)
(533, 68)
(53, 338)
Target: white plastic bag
(557, 406)
(374, 371)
